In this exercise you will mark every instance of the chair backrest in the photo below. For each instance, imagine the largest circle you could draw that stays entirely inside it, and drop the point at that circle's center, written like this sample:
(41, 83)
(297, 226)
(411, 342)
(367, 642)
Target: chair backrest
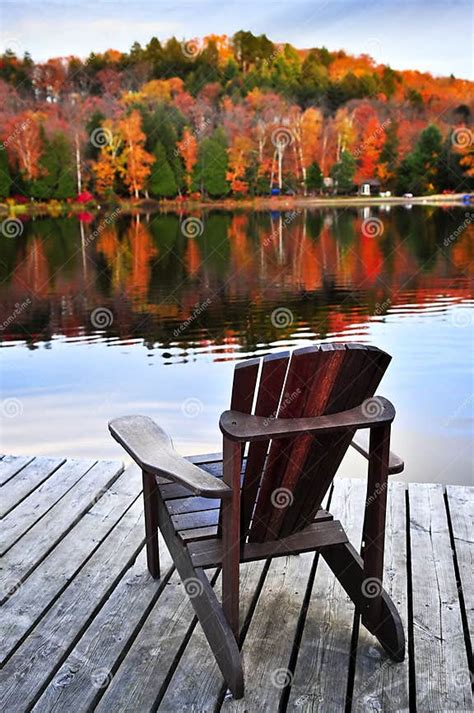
(285, 480)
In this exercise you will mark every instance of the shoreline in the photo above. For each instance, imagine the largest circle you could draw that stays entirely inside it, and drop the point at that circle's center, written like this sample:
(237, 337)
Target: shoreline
(275, 203)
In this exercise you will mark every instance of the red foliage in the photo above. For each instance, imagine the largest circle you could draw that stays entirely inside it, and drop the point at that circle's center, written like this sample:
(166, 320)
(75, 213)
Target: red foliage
(85, 217)
(84, 197)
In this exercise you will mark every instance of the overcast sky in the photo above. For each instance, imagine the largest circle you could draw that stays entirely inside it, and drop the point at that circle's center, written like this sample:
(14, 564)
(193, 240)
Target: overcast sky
(434, 35)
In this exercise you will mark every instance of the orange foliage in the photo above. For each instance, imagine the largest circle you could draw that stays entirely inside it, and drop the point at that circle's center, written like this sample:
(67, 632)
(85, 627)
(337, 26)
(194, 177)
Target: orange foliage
(192, 257)
(223, 46)
(136, 163)
(142, 251)
(373, 139)
(23, 142)
(188, 149)
(239, 154)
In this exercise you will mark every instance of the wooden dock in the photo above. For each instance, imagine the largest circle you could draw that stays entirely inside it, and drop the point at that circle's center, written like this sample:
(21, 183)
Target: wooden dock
(85, 628)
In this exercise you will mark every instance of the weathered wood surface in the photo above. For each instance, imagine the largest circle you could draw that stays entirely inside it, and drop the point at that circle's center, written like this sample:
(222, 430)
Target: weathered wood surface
(85, 627)
(27, 480)
(442, 677)
(325, 648)
(30, 549)
(380, 684)
(50, 491)
(461, 514)
(22, 611)
(11, 465)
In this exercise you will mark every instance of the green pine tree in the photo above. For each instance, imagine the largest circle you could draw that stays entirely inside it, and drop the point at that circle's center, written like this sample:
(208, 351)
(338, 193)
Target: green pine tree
(162, 182)
(343, 172)
(314, 178)
(420, 172)
(57, 178)
(5, 177)
(211, 168)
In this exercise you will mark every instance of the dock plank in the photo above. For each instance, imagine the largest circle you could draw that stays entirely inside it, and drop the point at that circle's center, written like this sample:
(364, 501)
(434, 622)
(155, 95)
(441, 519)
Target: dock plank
(442, 678)
(94, 659)
(144, 671)
(21, 611)
(28, 672)
(21, 559)
(461, 509)
(30, 477)
(325, 647)
(268, 645)
(381, 684)
(186, 691)
(11, 465)
(86, 628)
(40, 501)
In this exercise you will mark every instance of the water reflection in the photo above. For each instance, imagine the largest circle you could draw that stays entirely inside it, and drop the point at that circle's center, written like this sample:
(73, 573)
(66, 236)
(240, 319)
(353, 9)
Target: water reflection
(219, 289)
(94, 312)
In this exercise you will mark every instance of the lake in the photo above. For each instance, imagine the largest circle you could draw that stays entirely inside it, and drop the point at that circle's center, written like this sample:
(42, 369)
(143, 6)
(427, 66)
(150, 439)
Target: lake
(148, 314)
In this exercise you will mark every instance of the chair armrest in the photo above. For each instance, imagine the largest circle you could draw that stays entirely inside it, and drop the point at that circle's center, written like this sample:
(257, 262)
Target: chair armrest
(241, 427)
(395, 463)
(152, 449)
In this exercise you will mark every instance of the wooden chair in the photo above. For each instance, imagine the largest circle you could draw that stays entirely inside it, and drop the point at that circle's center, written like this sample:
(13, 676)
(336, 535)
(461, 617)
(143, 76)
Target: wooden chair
(298, 414)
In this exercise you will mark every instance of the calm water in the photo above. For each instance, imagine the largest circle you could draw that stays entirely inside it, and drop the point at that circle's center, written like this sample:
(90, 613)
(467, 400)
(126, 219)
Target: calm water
(150, 314)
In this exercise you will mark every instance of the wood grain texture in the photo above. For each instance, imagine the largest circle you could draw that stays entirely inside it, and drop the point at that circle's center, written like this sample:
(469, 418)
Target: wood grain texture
(152, 450)
(299, 377)
(88, 629)
(461, 511)
(269, 641)
(145, 668)
(21, 611)
(437, 627)
(210, 553)
(27, 480)
(274, 367)
(35, 662)
(91, 664)
(30, 549)
(381, 684)
(11, 465)
(186, 691)
(62, 477)
(325, 647)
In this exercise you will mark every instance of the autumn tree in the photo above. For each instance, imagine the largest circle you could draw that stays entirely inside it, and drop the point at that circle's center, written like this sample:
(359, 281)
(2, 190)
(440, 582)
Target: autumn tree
(459, 155)
(136, 163)
(372, 142)
(24, 143)
(188, 150)
(388, 158)
(109, 162)
(239, 158)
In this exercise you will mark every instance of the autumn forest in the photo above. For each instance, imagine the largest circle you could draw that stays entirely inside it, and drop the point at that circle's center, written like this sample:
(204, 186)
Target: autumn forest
(237, 117)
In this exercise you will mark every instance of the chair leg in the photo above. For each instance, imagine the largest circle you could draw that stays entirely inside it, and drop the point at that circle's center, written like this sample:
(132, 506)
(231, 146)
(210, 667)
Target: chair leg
(150, 501)
(373, 537)
(209, 610)
(230, 508)
(387, 626)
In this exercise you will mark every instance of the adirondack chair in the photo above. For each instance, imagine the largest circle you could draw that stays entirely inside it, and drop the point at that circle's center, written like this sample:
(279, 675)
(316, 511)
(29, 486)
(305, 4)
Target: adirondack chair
(298, 413)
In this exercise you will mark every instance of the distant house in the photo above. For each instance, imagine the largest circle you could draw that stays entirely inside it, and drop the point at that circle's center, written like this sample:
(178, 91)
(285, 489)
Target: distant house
(369, 187)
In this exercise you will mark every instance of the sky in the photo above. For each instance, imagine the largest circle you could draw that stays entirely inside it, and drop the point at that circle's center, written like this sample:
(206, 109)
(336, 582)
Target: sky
(434, 36)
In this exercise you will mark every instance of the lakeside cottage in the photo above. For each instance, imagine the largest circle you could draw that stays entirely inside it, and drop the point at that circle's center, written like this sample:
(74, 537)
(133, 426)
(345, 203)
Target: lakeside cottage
(369, 187)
